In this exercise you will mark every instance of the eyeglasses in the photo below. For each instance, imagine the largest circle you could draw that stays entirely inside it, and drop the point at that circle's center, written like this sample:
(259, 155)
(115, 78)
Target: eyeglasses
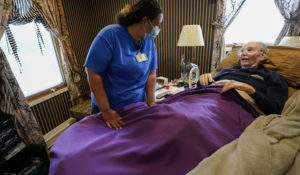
(247, 50)
(156, 26)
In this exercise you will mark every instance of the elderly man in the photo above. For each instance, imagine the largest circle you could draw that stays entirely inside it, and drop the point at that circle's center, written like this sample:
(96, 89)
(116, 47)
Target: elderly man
(268, 89)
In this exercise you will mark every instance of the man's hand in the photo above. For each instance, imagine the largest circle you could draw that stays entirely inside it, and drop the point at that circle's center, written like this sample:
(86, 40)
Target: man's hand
(205, 79)
(232, 84)
(112, 119)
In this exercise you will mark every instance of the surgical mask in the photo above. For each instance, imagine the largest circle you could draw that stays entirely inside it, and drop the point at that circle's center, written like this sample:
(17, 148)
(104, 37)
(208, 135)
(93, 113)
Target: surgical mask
(155, 31)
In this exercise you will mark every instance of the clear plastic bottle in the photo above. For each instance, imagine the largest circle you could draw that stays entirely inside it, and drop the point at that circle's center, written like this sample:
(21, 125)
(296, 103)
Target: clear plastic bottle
(183, 72)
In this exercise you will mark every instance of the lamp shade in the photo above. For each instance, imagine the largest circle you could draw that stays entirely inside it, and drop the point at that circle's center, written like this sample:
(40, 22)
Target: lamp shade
(290, 41)
(191, 35)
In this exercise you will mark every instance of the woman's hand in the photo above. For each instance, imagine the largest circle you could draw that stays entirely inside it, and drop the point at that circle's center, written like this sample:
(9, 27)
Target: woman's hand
(112, 119)
(205, 79)
(151, 103)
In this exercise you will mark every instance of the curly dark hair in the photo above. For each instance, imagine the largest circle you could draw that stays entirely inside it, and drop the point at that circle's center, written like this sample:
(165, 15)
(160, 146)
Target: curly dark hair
(132, 14)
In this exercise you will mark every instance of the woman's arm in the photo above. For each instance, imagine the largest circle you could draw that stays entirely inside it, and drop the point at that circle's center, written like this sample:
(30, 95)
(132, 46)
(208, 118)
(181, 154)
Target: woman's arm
(150, 88)
(110, 116)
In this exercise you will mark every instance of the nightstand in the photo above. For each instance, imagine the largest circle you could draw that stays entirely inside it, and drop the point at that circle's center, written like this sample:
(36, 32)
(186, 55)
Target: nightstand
(166, 91)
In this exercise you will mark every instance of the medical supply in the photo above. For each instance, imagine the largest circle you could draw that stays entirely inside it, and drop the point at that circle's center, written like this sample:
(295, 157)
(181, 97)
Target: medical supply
(163, 94)
(162, 80)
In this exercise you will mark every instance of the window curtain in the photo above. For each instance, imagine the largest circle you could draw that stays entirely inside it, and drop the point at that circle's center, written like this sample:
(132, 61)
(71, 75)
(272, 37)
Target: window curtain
(12, 99)
(290, 10)
(53, 14)
(50, 14)
(226, 11)
(13, 102)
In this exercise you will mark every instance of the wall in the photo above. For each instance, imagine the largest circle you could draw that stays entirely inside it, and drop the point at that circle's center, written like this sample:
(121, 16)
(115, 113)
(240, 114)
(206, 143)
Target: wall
(52, 112)
(86, 18)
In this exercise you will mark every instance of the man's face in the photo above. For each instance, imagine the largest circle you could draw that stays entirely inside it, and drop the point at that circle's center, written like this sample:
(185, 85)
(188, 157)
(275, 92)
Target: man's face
(251, 55)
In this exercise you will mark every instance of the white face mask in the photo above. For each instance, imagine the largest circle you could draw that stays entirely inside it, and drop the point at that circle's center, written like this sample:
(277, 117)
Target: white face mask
(155, 31)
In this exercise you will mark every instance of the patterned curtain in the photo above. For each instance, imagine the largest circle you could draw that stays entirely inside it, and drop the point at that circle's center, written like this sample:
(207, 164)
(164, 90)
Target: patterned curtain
(52, 12)
(12, 100)
(5, 9)
(290, 10)
(226, 11)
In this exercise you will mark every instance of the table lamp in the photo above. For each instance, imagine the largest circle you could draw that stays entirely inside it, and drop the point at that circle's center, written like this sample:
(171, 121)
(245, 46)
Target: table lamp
(293, 41)
(190, 36)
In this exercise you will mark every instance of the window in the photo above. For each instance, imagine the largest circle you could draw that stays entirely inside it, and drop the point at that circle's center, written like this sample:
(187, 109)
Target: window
(258, 20)
(39, 72)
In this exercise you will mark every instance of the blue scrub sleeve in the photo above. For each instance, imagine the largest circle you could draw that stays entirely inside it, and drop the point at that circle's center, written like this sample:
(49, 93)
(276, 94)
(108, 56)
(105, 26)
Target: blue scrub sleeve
(99, 56)
(153, 65)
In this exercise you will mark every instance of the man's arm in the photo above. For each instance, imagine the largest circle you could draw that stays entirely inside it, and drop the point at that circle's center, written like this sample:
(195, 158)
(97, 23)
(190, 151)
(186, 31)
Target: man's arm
(206, 79)
(270, 101)
(232, 84)
(150, 88)
(110, 117)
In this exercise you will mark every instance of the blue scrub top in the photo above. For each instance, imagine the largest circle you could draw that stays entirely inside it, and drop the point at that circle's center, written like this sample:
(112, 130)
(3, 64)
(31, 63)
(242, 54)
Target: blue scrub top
(113, 56)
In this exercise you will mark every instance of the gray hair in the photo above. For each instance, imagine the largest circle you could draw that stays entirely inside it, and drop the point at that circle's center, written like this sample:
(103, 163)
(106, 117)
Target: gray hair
(263, 47)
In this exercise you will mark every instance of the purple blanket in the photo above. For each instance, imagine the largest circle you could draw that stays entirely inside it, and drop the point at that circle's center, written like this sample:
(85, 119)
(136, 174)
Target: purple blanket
(170, 138)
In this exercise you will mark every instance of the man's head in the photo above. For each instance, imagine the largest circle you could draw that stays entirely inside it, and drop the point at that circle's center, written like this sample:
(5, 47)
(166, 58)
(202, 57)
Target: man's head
(252, 54)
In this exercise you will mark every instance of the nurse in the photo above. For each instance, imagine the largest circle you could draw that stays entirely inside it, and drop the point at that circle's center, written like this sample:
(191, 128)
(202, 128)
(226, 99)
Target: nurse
(122, 61)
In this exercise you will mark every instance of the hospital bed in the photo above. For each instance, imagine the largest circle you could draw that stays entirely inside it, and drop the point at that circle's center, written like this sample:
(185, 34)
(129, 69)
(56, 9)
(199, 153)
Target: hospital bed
(196, 131)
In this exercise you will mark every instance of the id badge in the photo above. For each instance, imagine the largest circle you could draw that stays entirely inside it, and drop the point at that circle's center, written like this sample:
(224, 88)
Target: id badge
(141, 57)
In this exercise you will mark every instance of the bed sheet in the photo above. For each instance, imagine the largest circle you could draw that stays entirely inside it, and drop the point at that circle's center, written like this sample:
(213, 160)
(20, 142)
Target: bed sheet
(269, 146)
(170, 138)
